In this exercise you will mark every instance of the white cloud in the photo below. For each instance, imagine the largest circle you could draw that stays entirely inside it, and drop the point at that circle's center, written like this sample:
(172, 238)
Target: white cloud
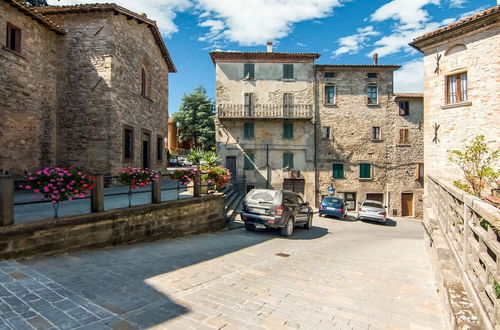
(410, 78)
(457, 3)
(353, 43)
(163, 12)
(410, 14)
(252, 22)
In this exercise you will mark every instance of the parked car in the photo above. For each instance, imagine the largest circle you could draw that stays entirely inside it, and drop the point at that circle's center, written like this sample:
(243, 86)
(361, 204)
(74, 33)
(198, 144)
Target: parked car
(183, 161)
(372, 210)
(333, 206)
(282, 209)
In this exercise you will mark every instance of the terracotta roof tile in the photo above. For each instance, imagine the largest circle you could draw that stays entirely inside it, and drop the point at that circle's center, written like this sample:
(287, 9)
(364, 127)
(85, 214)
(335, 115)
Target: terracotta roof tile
(262, 56)
(36, 16)
(48, 10)
(409, 95)
(326, 66)
(456, 25)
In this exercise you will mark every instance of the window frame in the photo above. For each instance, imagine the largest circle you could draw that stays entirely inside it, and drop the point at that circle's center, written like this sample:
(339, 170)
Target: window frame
(459, 92)
(249, 161)
(329, 74)
(328, 130)
(368, 98)
(160, 146)
(132, 138)
(290, 156)
(405, 110)
(249, 106)
(372, 75)
(370, 169)
(17, 38)
(288, 100)
(250, 72)
(404, 136)
(252, 130)
(285, 71)
(333, 171)
(327, 94)
(286, 131)
(374, 130)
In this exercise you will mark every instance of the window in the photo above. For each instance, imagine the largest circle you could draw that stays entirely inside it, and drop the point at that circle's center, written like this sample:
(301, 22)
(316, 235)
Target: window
(329, 74)
(419, 171)
(160, 145)
(249, 104)
(144, 83)
(287, 71)
(248, 130)
(288, 160)
(338, 171)
(456, 88)
(248, 71)
(287, 104)
(128, 143)
(375, 133)
(249, 161)
(329, 94)
(365, 171)
(325, 134)
(13, 41)
(371, 94)
(404, 108)
(404, 137)
(287, 131)
(372, 75)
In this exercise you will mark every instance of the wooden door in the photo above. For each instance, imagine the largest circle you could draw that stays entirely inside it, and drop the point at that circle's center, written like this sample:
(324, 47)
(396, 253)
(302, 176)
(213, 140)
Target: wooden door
(375, 197)
(231, 166)
(407, 204)
(350, 200)
(295, 185)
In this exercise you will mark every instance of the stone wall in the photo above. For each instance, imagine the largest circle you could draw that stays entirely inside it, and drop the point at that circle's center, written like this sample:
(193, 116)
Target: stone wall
(480, 116)
(129, 225)
(29, 90)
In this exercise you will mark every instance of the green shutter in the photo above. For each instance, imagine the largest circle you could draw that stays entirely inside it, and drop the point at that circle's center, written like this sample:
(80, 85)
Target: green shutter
(249, 161)
(338, 171)
(248, 131)
(288, 131)
(288, 160)
(287, 71)
(248, 71)
(365, 171)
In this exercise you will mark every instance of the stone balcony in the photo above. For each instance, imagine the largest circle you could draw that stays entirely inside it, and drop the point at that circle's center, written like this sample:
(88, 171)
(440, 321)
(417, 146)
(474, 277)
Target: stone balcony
(265, 111)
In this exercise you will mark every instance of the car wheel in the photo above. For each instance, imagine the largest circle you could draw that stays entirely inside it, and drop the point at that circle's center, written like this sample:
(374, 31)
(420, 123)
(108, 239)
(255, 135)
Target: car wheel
(320, 215)
(342, 217)
(287, 231)
(249, 227)
(309, 222)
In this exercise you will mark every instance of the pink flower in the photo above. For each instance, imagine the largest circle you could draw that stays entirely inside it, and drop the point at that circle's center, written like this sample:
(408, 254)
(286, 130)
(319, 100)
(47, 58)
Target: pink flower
(28, 187)
(37, 190)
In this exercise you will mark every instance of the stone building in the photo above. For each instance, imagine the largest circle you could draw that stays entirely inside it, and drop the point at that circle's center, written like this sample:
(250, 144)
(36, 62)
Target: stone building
(461, 87)
(83, 86)
(264, 129)
(284, 122)
(368, 139)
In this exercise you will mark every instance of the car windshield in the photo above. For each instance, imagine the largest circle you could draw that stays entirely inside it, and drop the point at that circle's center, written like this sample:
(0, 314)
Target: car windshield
(257, 195)
(373, 204)
(332, 201)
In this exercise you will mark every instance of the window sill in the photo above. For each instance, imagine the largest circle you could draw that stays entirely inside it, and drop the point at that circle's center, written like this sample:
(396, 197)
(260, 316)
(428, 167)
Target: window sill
(13, 52)
(403, 145)
(456, 105)
(377, 140)
(288, 79)
(365, 179)
(248, 79)
(330, 104)
(332, 178)
(146, 98)
(373, 104)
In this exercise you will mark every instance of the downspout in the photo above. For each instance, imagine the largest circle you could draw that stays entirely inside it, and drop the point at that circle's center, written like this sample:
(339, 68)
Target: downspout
(267, 165)
(315, 104)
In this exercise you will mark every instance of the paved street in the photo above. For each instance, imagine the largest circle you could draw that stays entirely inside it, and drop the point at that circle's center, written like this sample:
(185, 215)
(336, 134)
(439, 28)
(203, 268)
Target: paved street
(339, 275)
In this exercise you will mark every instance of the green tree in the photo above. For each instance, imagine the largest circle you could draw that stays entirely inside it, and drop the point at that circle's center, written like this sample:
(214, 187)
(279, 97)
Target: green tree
(195, 120)
(36, 3)
(476, 163)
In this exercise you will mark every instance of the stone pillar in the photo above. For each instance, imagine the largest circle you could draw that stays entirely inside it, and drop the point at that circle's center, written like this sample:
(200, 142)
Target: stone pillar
(6, 200)
(156, 192)
(97, 195)
(197, 183)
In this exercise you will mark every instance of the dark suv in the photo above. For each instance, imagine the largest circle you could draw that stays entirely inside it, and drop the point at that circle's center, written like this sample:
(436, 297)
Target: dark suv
(266, 208)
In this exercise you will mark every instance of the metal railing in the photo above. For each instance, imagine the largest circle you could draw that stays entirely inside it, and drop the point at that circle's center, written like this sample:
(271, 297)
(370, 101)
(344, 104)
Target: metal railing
(269, 111)
(96, 197)
(472, 230)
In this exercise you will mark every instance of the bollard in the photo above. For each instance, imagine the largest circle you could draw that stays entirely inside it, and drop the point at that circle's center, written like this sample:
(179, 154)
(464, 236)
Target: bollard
(97, 195)
(156, 192)
(197, 185)
(6, 200)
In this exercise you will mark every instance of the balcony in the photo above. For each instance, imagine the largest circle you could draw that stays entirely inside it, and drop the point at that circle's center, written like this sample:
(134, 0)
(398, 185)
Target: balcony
(264, 111)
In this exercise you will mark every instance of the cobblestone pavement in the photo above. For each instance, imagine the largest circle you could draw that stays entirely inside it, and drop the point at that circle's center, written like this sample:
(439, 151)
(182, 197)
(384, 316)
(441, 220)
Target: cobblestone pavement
(338, 275)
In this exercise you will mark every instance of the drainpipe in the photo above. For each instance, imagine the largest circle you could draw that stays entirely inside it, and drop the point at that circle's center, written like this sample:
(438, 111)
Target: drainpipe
(267, 166)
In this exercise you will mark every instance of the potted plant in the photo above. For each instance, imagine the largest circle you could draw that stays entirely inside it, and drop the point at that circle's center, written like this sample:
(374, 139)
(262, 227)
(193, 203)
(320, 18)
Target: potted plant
(59, 184)
(136, 177)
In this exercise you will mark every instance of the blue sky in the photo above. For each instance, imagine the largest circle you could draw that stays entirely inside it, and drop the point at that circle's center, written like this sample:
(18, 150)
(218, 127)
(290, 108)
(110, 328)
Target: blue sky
(342, 31)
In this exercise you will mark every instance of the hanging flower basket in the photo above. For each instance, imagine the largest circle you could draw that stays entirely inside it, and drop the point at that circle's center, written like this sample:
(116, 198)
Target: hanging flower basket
(136, 177)
(59, 184)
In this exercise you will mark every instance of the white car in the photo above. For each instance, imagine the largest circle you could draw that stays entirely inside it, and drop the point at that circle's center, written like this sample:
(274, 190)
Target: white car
(372, 210)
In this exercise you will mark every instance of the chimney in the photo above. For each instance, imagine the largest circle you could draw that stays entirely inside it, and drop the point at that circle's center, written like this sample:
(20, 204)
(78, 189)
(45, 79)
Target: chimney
(375, 59)
(269, 46)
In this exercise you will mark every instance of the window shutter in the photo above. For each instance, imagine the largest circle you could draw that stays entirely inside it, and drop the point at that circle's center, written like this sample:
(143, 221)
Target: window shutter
(401, 136)
(287, 71)
(9, 35)
(18, 40)
(407, 136)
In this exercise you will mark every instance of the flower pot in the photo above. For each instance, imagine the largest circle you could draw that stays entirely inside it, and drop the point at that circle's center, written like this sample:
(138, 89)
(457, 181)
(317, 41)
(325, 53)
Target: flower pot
(204, 187)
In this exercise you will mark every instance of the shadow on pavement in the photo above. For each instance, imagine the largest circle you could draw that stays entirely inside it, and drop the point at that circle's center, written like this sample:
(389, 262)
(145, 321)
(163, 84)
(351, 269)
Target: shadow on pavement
(298, 233)
(388, 223)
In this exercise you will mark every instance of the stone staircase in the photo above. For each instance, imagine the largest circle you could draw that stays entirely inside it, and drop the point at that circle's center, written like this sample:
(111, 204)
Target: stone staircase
(232, 207)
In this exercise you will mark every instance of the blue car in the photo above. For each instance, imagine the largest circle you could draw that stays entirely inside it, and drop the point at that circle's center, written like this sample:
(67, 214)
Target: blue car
(333, 206)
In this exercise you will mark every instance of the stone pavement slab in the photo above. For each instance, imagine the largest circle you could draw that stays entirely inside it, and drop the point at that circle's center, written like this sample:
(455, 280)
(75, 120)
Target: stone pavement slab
(338, 275)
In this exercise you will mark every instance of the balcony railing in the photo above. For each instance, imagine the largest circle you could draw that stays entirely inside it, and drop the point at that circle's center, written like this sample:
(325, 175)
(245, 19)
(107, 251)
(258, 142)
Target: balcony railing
(472, 230)
(265, 111)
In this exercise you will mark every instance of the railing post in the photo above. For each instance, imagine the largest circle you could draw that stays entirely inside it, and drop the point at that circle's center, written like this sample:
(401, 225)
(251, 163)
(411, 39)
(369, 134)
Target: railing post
(97, 195)
(156, 192)
(6, 200)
